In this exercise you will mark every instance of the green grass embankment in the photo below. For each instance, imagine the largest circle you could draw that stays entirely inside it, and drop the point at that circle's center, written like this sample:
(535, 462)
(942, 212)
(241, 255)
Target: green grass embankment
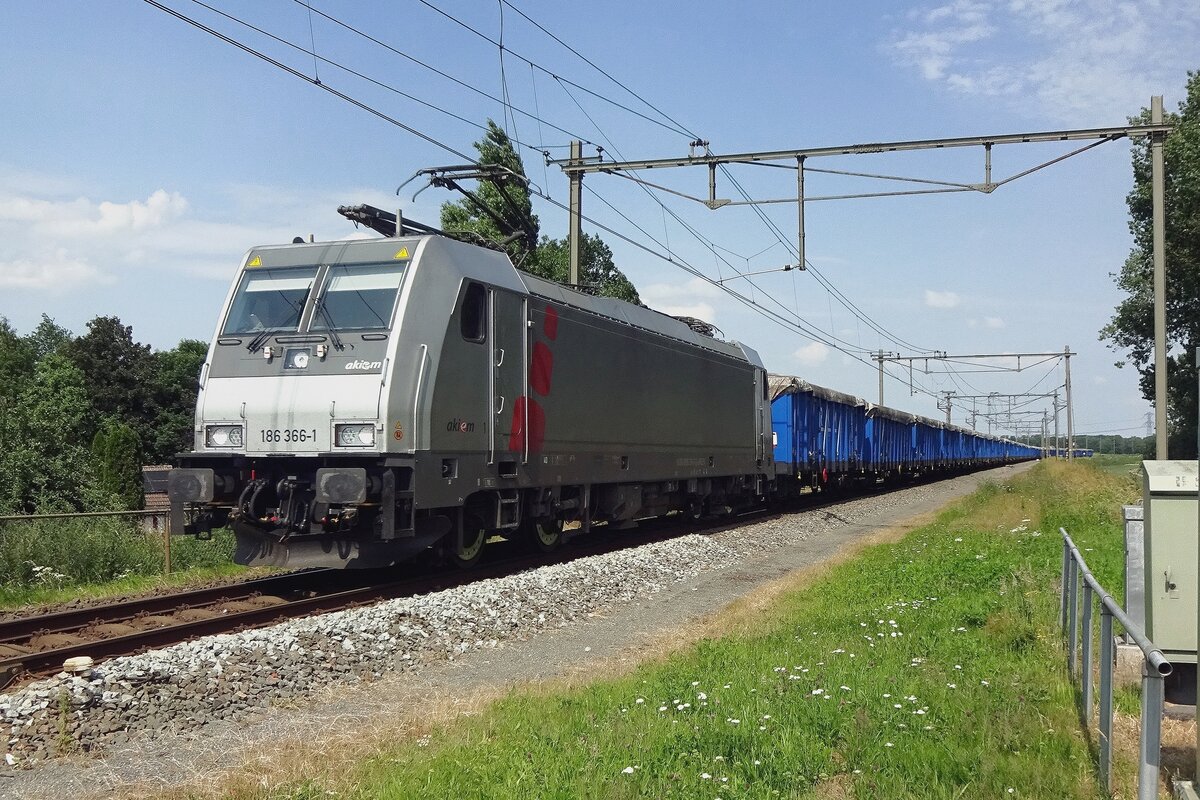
(928, 668)
(55, 561)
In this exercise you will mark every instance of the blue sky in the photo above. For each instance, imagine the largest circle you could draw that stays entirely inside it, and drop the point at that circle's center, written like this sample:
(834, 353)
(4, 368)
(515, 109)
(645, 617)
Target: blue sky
(140, 157)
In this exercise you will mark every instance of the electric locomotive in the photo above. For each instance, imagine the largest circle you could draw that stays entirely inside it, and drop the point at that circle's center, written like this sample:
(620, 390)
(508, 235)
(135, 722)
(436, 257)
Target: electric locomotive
(363, 401)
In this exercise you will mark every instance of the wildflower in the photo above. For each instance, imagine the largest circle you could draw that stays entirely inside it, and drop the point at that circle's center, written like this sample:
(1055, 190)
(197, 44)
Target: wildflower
(757, 762)
(701, 696)
(984, 683)
(920, 712)
(628, 770)
(818, 691)
(845, 688)
(695, 683)
(888, 744)
(896, 705)
(958, 666)
(886, 695)
(766, 716)
(733, 721)
(704, 776)
(640, 700)
(952, 685)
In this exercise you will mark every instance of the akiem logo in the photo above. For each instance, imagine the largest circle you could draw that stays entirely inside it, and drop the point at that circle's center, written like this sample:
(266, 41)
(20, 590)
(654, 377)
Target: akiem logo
(364, 365)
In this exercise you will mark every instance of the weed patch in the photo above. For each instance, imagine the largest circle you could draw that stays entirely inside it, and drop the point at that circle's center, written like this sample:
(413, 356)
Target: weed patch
(55, 560)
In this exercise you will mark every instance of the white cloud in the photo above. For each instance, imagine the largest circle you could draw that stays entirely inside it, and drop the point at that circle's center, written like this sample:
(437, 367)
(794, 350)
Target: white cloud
(698, 310)
(811, 354)
(1080, 61)
(941, 299)
(993, 322)
(56, 272)
(58, 241)
(688, 299)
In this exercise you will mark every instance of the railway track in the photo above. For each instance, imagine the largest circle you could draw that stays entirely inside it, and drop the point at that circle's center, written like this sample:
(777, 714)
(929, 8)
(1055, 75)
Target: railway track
(38, 646)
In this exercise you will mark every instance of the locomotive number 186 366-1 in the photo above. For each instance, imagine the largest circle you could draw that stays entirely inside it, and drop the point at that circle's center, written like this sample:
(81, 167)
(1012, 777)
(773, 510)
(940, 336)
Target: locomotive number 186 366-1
(287, 435)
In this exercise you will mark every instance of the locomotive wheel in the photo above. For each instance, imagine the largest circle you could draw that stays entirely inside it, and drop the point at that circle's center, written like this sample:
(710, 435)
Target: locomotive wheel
(473, 538)
(543, 535)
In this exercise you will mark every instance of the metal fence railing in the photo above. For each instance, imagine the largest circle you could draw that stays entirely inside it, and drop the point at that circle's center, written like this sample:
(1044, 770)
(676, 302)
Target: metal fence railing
(1076, 623)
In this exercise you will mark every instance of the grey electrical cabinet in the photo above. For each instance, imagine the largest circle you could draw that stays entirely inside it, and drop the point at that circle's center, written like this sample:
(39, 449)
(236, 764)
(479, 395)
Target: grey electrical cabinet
(1169, 498)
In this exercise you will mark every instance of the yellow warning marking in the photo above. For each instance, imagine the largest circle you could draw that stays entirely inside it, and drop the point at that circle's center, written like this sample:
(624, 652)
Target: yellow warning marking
(402, 254)
(254, 262)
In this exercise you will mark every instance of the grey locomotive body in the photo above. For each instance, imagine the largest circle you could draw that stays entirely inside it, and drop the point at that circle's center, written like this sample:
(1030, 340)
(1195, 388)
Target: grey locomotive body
(365, 400)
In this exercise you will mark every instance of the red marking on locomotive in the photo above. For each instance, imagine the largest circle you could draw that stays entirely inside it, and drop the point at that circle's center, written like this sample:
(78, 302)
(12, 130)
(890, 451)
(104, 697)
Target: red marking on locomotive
(537, 425)
(550, 326)
(540, 369)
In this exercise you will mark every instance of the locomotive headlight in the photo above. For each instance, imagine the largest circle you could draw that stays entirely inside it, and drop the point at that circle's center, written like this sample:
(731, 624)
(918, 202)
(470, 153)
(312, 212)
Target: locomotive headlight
(223, 436)
(354, 435)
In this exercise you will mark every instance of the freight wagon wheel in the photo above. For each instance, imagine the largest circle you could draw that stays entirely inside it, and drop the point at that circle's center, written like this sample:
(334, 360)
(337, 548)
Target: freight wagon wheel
(473, 538)
(543, 535)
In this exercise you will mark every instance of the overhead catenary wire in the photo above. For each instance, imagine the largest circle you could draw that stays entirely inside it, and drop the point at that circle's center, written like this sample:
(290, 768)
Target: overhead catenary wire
(539, 67)
(296, 73)
(602, 71)
(374, 81)
(845, 346)
(826, 284)
(536, 116)
(466, 158)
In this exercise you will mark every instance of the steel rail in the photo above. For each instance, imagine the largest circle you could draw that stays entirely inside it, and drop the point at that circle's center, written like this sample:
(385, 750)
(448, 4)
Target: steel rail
(76, 618)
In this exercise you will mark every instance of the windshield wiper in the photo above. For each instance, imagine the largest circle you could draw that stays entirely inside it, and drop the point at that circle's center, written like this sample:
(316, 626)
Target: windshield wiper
(333, 334)
(258, 341)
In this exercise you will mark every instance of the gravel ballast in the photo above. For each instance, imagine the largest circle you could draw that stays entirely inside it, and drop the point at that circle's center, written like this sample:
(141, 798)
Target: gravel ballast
(153, 697)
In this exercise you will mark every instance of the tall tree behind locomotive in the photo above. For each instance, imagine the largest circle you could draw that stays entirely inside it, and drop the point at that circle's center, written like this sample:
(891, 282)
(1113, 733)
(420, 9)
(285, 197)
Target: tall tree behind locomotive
(365, 400)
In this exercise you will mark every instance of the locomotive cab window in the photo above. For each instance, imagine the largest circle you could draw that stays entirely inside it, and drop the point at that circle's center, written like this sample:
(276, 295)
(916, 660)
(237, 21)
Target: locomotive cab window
(270, 300)
(472, 316)
(358, 297)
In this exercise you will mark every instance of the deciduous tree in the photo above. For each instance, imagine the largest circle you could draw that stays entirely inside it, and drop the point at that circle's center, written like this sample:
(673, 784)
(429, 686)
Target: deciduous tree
(550, 259)
(119, 372)
(176, 381)
(46, 461)
(117, 464)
